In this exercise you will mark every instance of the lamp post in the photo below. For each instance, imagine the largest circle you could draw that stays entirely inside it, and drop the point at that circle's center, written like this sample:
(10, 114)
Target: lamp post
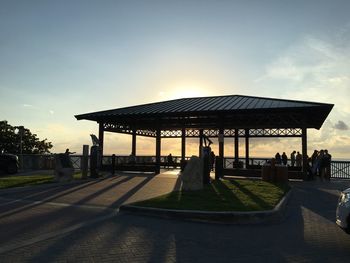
(20, 132)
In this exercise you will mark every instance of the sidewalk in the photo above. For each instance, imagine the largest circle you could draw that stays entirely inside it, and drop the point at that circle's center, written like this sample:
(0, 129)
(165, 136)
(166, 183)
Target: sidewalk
(80, 223)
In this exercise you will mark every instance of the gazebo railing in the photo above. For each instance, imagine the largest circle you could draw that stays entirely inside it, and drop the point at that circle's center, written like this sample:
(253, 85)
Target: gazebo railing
(339, 169)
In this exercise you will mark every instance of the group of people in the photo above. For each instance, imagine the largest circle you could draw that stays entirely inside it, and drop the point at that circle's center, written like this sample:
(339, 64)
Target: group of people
(296, 159)
(319, 164)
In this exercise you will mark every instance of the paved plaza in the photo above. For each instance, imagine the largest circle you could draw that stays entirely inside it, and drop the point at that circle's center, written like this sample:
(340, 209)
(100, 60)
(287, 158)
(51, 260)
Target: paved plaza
(81, 223)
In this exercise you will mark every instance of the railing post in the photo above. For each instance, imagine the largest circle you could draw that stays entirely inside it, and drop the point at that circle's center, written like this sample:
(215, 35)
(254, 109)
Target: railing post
(113, 164)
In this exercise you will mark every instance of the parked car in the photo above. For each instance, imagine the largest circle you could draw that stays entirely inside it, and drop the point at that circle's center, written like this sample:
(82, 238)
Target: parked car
(343, 211)
(9, 163)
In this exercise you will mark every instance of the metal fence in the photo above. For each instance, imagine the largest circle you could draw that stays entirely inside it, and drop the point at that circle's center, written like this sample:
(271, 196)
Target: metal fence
(339, 169)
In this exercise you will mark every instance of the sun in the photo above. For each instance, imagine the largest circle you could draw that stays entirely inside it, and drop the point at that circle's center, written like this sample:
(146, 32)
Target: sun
(187, 91)
(180, 91)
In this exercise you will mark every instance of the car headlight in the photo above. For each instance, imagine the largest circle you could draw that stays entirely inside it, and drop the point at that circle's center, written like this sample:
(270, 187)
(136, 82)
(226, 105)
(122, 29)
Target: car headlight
(344, 197)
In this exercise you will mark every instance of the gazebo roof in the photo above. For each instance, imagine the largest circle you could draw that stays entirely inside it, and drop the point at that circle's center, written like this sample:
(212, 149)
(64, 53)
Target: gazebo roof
(232, 111)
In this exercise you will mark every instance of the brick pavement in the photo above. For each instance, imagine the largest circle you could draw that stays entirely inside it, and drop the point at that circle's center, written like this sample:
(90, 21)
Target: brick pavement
(308, 234)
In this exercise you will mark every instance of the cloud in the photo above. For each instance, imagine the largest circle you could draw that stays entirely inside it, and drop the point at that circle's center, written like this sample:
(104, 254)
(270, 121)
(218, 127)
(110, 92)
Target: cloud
(316, 69)
(312, 68)
(340, 125)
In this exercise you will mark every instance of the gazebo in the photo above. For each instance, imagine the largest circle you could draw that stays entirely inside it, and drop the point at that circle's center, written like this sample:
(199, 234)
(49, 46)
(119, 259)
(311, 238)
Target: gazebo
(233, 116)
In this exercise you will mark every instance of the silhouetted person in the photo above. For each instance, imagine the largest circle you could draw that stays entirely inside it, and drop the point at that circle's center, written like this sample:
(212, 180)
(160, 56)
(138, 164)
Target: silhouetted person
(170, 160)
(298, 159)
(314, 167)
(292, 158)
(327, 165)
(284, 158)
(68, 152)
(278, 158)
(65, 160)
(321, 164)
(211, 160)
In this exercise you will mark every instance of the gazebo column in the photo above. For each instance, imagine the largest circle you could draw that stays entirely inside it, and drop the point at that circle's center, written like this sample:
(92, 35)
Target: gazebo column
(304, 151)
(183, 145)
(236, 147)
(246, 148)
(133, 142)
(200, 142)
(221, 146)
(100, 137)
(158, 141)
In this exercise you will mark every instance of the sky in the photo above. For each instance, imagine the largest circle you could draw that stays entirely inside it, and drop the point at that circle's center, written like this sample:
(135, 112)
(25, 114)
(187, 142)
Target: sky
(63, 58)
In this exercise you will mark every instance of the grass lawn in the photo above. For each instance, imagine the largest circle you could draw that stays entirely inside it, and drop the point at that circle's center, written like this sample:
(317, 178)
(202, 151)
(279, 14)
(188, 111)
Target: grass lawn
(223, 195)
(25, 180)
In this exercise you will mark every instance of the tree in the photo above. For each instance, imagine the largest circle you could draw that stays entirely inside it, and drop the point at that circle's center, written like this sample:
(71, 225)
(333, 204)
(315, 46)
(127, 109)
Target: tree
(10, 140)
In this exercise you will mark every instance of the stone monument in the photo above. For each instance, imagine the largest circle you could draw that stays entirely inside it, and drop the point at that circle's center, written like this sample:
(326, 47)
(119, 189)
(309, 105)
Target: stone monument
(192, 176)
(63, 168)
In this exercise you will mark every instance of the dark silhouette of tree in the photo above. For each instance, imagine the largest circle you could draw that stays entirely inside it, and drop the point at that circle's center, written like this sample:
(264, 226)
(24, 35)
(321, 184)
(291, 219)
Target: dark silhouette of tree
(10, 140)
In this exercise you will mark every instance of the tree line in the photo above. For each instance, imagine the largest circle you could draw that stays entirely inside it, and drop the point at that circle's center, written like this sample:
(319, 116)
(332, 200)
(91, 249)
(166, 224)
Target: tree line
(10, 140)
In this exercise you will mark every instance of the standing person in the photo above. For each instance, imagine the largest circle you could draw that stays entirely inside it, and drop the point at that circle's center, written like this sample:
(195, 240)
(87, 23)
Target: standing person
(298, 159)
(321, 165)
(310, 174)
(278, 158)
(211, 160)
(284, 158)
(327, 165)
(292, 158)
(314, 163)
(66, 161)
(67, 152)
(170, 160)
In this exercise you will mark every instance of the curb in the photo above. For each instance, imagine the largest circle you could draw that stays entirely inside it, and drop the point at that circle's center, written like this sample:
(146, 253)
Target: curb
(254, 217)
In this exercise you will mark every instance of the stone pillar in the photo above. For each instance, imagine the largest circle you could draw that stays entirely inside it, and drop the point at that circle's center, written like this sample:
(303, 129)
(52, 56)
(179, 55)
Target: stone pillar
(85, 162)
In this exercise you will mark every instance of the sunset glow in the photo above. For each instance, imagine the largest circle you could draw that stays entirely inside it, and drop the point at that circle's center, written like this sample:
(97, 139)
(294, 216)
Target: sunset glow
(57, 62)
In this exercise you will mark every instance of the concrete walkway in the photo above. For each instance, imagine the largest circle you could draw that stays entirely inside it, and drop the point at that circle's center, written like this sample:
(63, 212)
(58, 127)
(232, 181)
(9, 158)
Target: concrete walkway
(81, 223)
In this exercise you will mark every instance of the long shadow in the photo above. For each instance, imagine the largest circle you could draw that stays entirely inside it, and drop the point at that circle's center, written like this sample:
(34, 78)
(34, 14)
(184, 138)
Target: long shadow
(192, 242)
(130, 193)
(101, 191)
(224, 193)
(86, 235)
(39, 221)
(55, 249)
(177, 185)
(251, 195)
(49, 199)
(317, 200)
